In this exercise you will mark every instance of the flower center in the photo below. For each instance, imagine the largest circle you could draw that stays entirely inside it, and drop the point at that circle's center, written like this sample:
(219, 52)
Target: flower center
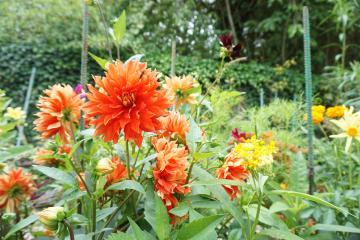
(352, 131)
(127, 99)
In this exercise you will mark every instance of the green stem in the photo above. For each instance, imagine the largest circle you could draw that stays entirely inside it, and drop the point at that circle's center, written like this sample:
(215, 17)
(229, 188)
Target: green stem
(343, 48)
(94, 214)
(256, 221)
(350, 168)
(128, 159)
(70, 229)
(190, 170)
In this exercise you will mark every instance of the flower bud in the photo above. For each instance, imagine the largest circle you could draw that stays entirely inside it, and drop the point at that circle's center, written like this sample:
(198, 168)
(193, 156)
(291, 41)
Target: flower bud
(51, 216)
(2, 166)
(105, 166)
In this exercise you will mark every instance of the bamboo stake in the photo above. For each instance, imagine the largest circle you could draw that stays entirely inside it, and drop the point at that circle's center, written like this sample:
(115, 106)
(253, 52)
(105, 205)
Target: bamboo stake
(308, 93)
(173, 57)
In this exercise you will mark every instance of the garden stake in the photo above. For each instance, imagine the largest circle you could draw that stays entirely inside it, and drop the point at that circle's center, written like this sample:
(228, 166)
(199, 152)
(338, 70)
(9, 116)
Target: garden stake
(84, 52)
(21, 136)
(261, 97)
(308, 93)
(173, 57)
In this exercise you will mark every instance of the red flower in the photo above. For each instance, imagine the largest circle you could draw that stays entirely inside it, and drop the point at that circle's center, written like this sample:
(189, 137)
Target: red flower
(174, 126)
(234, 51)
(232, 170)
(119, 172)
(128, 99)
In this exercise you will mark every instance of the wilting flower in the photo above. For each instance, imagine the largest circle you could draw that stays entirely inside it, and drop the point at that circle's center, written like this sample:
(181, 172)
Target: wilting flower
(255, 152)
(174, 125)
(15, 186)
(233, 51)
(44, 157)
(180, 90)
(240, 136)
(59, 111)
(232, 170)
(119, 172)
(170, 171)
(105, 166)
(350, 124)
(15, 113)
(335, 112)
(128, 99)
(51, 217)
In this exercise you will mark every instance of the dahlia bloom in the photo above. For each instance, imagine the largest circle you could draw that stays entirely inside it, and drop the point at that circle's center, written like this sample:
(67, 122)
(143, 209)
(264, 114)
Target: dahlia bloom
(233, 51)
(350, 124)
(59, 111)
(51, 217)
(15, 186)
(174, 125)
(170, 171)
(119, 172)
(178, 88)
(335, 112)
(232, 170)
(240, 136)
(127, 99)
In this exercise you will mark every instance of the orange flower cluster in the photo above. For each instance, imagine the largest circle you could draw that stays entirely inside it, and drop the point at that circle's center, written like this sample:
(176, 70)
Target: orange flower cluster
(232, 169)
(174, 126)
(15, 187)
(128, 99)
(59, 111)
(170, 171)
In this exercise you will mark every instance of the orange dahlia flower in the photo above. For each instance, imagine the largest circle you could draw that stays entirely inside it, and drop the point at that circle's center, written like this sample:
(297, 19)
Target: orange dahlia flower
(59, 110)
(174, 125)
(15, 186)
(119, 172)
(170, 170)
(42, 157)
(232, 170)
(128, 99)
(179, 87)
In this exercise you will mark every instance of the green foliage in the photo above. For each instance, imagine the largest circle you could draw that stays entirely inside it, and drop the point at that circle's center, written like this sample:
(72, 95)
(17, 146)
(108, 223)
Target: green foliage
(298, 174)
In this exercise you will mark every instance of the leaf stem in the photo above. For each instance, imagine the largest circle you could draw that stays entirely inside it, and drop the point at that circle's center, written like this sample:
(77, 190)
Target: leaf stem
(70, 229)
(128, 160)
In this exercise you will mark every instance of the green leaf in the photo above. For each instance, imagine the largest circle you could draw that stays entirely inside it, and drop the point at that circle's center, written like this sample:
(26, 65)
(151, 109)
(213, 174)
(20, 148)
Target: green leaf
(139, 234)
(180, 210)
(219, 193)
(127, 184)
(280, 234)
(202, 228)
(298, 174)
(102, 62)
(204, 155)
(20, 225)
(217, 182)
(267, 217)
(156, 214)
(334, 228)
(120, 236)
(103, 213)
(278, 207)
(119, 27)
(193, 136)
(56, 174)
(311, 198)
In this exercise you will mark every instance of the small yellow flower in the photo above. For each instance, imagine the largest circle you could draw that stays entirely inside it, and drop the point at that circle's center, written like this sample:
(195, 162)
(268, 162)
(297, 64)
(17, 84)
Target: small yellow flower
(335, 112)
(105, 166)
(284, 186)
(15, 113)
(279, 70)
(51, 217)
(255, 152)
(317, 117)
(318, 108)
(350, 124)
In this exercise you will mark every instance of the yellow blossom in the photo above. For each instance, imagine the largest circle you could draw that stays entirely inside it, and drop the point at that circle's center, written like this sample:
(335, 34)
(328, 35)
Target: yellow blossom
(15, 113)
(318, 108)
(255, 152)
(105, 166)
(51, 217)
(317, 117)
(284, 186)
(350, 125)
(335, 112)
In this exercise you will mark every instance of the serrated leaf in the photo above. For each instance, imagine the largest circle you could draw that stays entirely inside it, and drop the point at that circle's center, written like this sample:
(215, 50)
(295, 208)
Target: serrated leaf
(127, 184)
(199, 229)
(181, 210)
(280, 234)
(298, 174)
(20, 225)
(311, 198)
(102, 62)
(56, 174)
(119, 27)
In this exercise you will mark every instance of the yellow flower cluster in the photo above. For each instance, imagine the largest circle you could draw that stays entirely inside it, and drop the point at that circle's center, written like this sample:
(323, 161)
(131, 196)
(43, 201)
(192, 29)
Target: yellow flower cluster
(255, 152)
(335, 112)
(318, 112)
(15, 113)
